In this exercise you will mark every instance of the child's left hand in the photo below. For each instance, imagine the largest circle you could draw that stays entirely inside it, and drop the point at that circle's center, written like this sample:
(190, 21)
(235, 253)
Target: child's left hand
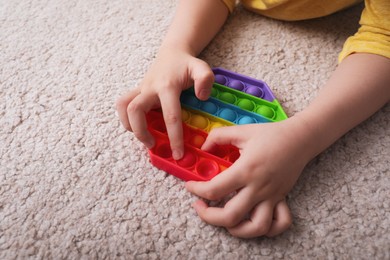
(273, 156)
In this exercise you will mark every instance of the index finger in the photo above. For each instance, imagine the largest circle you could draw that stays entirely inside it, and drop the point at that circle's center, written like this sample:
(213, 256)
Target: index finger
(170, 105)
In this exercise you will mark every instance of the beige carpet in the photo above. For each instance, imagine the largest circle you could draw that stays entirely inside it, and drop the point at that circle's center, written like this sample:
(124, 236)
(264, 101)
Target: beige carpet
(74, 184)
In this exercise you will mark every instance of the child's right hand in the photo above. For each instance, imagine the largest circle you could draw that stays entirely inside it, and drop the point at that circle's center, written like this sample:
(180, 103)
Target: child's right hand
(171, 72)
(272, 157)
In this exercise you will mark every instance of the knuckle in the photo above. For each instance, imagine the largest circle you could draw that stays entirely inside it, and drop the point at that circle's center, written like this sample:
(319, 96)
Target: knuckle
(140, 134)
(171, 119)
(133, 107)
(167, 88)
(121, 106)
(206, 76)
(246, 175)
(120, 102)
(262, 228)
(233, 217)
(211, 195)
(286, 223)
(209, 75)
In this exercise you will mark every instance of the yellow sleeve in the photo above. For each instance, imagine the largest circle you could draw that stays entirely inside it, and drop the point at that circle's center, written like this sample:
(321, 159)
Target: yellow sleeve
(373, 35)
(230, 4)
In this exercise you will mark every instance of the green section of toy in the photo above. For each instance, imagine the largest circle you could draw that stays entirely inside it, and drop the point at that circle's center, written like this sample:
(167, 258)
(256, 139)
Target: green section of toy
(272, 111)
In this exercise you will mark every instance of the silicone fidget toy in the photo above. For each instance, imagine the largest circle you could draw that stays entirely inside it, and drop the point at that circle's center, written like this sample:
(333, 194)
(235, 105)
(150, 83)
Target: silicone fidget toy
(235, 99)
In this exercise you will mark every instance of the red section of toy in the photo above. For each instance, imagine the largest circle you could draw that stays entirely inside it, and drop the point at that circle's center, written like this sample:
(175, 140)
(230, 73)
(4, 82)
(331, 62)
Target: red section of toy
(196, 164)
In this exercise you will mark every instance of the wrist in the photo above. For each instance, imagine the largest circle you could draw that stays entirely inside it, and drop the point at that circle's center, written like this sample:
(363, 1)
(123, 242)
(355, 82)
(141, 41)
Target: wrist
(308, 135)
(176, 47)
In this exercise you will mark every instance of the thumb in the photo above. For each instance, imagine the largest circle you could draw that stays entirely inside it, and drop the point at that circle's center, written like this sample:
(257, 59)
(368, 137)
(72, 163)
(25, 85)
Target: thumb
(228, 135)
(203, 78)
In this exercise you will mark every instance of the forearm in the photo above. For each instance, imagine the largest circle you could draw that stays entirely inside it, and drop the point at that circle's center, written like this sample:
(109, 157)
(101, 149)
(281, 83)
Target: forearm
(357, 89)
(195, 24)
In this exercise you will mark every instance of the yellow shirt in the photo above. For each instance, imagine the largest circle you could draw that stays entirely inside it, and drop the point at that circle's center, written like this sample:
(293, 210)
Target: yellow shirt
(373, 35)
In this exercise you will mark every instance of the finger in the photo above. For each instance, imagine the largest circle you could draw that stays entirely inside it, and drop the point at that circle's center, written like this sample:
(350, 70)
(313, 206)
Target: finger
(203, 78)
(136, 111)
(282, 219)
(259, 223)
(170, 104)
(221, 185)
(122, 104)
(230, 135)
(231, 214)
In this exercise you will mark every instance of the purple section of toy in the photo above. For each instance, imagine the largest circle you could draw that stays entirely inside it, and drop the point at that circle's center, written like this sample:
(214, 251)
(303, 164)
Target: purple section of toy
(246, 84)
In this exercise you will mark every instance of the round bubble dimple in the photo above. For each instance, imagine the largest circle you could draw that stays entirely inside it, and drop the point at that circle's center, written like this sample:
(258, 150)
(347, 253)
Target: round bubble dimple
(228, 114)
(214, 92)
(159, 125)
(190, 101)
(220, 79)
(197, 141)
(209, 107)
(187, 160)
(216, 125)
(266, 111)
(164, 151)
(185, 115)
(246, 120)
(219, 151)
(254, 91)
(233, 156)
(246, 104)
(236, 84)
(227, 97)
(207, 168)
(199, 121)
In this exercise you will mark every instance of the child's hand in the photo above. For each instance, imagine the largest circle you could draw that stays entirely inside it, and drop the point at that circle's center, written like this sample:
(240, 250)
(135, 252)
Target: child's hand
(172, 71)
(272, 157)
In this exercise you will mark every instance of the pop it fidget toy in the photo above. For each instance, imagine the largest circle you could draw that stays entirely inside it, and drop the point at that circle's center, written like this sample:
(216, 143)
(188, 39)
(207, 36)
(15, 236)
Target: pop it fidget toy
(235, 99)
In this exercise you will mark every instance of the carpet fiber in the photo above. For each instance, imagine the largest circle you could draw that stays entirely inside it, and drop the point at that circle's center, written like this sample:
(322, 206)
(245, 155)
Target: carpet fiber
(74, 184)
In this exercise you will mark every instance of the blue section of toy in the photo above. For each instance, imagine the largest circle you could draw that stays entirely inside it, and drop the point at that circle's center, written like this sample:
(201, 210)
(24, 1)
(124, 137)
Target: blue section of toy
(218, 108)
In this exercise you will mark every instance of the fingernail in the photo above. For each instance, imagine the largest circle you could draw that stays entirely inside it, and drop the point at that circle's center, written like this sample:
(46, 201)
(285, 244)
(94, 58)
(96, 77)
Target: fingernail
(204, 93)
(177, 155)
(149, 144)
